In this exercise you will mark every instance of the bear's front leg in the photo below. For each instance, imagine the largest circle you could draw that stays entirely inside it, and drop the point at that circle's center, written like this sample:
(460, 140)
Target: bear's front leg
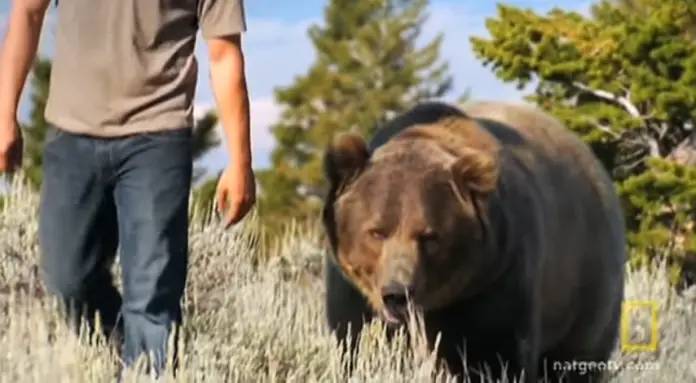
(528, 355)
(347, 310)
(528, 339)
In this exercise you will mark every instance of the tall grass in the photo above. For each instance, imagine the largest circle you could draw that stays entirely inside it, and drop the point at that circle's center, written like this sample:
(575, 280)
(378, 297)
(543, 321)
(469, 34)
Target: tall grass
(252, 321)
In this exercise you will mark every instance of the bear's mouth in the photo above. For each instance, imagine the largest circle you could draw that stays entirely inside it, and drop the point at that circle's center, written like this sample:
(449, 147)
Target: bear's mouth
(395, 311)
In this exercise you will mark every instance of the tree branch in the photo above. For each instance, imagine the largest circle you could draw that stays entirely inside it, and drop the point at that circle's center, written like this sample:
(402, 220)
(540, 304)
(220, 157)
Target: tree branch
(625, 102)
(607, 130)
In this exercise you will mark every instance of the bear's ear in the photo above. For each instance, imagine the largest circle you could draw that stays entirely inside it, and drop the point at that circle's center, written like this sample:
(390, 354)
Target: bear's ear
(345, 159)
(474, 171)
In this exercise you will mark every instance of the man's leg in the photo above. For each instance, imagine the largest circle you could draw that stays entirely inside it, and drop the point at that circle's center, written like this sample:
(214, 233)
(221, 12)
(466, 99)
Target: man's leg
(152, 197)
(78, 234)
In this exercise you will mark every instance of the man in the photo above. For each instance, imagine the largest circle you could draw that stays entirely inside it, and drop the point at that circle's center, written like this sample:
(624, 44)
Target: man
(117, 160)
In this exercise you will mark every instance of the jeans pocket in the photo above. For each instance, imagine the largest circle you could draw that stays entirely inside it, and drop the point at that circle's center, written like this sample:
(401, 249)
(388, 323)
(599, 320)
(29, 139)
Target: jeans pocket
(53, 134)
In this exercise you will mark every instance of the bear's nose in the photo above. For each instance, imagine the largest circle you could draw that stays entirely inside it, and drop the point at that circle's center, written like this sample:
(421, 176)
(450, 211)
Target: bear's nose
(395, 296)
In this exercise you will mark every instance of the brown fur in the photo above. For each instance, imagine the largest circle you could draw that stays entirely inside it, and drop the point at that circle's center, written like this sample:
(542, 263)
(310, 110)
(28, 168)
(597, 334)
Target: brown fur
(501, 227)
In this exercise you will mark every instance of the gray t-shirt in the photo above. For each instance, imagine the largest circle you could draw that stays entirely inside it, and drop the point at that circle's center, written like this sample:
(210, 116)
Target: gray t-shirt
(127, 66)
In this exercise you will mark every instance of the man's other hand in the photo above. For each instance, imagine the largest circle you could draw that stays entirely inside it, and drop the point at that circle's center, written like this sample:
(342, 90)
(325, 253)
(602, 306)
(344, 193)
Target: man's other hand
(236, 193)
(11, 147)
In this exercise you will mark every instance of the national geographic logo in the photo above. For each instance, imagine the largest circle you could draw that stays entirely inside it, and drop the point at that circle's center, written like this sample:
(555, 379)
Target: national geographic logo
(632, 309)
(583, 367)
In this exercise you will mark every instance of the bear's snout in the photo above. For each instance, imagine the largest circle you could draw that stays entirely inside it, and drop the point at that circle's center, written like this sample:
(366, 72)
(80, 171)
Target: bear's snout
(396, 298)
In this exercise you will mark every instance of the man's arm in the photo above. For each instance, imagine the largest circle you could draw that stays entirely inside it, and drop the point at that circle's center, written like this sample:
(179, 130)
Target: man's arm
(230, 89)
(222, 23)
(18, 53)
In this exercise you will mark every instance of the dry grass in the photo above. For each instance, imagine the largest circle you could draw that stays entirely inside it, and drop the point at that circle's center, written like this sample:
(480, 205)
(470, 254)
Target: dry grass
(251, 323)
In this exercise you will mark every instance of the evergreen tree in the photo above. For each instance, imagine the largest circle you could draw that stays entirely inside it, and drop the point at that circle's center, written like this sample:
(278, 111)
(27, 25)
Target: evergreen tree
(205, 139)
(368, 67)
(34, 131)
(624, 79)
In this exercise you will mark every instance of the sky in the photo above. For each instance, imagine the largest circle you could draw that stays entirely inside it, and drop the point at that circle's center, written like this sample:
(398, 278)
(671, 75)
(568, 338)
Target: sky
(277, 48)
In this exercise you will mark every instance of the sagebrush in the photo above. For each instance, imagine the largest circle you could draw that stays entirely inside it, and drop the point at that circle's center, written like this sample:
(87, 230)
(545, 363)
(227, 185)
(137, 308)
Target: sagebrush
(262, 321)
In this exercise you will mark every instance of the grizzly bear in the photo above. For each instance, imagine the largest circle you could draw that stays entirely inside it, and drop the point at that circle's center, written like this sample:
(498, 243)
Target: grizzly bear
(493, 221)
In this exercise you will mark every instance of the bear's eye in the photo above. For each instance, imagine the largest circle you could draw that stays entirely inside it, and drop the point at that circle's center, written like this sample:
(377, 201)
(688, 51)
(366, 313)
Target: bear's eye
(429, 241)
(377, 234)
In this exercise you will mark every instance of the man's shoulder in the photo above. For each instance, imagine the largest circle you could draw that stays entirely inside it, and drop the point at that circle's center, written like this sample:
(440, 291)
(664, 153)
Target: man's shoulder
(218, 18)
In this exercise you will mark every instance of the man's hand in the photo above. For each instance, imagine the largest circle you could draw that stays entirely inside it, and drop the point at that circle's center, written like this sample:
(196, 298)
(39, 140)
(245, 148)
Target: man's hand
(18, 52)
(11, 147)
(236, 193)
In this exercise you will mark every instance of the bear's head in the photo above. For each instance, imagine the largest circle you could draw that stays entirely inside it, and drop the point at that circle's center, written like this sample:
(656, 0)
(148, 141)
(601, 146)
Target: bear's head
(410, 223)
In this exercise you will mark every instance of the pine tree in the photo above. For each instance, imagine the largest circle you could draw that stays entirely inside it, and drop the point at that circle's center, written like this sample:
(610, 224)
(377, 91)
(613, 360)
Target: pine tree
(204, 140)
(624, 79)
(34, 131)
(368, 67)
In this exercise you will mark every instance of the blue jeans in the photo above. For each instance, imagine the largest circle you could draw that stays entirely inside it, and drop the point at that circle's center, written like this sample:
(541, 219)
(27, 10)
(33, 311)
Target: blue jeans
(98, 193)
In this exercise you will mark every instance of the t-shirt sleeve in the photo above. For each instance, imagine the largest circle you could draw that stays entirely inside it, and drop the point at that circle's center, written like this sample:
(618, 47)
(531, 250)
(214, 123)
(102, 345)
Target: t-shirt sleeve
(217, 18)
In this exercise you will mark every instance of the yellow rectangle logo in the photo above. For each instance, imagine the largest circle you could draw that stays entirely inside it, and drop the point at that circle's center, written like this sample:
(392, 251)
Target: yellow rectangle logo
(629, 306)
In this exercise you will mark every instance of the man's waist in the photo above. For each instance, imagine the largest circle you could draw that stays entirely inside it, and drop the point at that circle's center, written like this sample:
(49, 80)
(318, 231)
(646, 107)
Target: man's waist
(93, 126)
(121, 115)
